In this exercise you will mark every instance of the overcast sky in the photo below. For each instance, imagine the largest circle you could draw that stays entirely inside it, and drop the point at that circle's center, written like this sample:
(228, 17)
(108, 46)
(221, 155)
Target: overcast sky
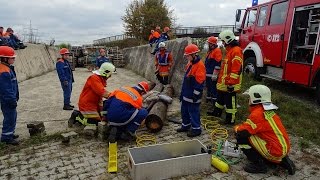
(82, 21)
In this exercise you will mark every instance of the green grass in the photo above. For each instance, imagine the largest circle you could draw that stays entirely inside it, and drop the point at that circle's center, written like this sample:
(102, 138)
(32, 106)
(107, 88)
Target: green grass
(300, 117)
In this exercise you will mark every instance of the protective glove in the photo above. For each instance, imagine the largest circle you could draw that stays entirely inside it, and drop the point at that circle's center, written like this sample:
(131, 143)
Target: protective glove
(12, 104)
(195, 98)
(214, 77)
(65, 83)
(242, 134)
(230, 88)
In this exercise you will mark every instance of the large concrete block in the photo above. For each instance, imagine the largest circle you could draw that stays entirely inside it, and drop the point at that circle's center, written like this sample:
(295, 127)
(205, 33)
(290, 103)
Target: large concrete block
(35, 60)
(139, 60)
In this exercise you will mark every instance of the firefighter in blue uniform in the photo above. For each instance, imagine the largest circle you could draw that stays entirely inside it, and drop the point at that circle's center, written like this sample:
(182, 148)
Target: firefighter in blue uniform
(163, 63)
(102, 58)
(191, 92)
(212, 63)
(125, 112)
(66, 77)
(9, 95)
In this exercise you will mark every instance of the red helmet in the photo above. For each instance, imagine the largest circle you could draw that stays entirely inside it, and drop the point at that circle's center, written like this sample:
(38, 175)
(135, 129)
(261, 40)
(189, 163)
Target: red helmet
(166, 29)
(64, 51)
(212, 40)
(6, 51)
(144, 85)
(191, 49)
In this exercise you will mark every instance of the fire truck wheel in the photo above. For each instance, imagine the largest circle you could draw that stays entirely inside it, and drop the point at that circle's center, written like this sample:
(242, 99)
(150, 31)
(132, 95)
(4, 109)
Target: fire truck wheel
(251, 68)
(318, 92)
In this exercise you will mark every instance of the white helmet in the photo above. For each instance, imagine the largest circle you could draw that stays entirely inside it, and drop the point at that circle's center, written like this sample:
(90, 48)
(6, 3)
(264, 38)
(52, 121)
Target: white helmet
(260, 94)
(106, 69)
(162, 45)
(227, 36)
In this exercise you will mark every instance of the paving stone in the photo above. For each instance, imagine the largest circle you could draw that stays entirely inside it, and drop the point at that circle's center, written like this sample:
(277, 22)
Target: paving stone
(120, 178)
(90, 131)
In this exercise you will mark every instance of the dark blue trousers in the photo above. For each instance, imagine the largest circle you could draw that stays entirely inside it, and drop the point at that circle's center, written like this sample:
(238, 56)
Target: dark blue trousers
(9, 122)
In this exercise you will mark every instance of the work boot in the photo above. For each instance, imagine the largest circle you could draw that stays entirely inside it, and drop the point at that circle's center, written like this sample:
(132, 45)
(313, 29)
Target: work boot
(67, 107)
(71, 105)
(127, 136)
(288, 165)
(183, 129)
(216, 112)
(256, 167)
(112, 134)
(15, 136)
(11, 142)
(194, 133)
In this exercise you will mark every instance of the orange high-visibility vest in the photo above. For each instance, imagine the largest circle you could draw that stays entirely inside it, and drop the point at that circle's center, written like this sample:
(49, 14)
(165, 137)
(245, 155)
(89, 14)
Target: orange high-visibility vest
(268, 135)
(231, 70)
(128, 95)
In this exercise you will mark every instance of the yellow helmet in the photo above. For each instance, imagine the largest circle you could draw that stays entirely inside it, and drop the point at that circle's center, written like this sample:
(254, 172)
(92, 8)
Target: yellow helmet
(106, 69)
(227, 36)
(259, 94)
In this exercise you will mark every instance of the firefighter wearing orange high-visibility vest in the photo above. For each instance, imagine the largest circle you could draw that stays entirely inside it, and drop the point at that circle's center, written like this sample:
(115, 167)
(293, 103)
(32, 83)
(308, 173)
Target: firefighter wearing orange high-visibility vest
(125, 112)
(229, 79)
(262, 136)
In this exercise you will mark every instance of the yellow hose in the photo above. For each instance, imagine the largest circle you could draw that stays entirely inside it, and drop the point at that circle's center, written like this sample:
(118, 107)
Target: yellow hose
(217, 133)
(142, 137)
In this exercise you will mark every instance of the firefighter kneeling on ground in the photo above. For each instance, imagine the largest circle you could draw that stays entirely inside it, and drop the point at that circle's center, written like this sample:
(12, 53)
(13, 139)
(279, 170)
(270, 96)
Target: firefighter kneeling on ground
(163, 63)
(93, 92)
(262, 137)
(124, 111)
(191, 92)
(229, 79)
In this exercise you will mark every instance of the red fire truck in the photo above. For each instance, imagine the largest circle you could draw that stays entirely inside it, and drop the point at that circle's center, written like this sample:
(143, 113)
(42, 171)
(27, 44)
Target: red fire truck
(280, 40)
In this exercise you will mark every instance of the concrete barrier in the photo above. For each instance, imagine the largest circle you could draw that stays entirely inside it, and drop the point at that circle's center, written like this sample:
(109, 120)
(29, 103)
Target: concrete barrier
(34, 60)
(139, 60)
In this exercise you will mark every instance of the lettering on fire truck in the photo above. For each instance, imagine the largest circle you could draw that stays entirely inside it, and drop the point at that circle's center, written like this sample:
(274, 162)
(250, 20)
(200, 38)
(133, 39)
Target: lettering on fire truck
(273, 38)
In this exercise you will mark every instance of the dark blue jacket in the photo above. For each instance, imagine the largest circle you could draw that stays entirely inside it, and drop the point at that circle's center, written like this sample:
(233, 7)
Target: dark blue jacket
(213, 60)
(193, 81)
(64, 70)
(163, 37)
(9, 91)
(100, 60)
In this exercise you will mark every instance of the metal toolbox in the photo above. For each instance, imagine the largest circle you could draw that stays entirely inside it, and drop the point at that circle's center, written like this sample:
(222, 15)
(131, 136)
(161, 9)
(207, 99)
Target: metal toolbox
(167, 160)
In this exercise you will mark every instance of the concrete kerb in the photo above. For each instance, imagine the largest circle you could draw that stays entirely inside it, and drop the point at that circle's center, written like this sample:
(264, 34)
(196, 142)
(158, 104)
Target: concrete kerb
(139, 60)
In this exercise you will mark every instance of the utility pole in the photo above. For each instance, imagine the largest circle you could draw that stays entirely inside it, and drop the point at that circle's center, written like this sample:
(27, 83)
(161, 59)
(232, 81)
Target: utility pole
(31, 34)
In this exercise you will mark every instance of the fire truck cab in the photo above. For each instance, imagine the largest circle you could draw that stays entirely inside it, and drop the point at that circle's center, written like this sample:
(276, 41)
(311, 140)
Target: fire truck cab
(280, 40)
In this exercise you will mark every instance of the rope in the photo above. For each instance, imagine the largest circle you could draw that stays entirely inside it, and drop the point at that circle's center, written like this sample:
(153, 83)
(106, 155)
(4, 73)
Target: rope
(218, 136)
(144, 138)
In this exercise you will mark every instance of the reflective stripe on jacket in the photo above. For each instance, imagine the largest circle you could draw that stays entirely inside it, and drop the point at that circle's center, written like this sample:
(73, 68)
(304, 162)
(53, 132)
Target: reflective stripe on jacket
(193, 82)
(163, 61)
(64, 70)
(213, 60)
(91, 95)
(269, 136)
(231, 70)
(9, 91)
(128, 95)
